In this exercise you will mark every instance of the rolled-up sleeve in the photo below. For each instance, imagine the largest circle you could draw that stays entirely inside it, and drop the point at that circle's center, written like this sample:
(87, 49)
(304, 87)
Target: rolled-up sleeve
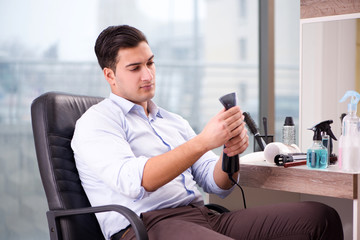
(203, 170)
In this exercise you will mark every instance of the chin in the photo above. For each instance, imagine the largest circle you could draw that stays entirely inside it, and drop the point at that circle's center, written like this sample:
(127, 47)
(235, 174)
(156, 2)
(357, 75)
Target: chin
(151, 96)
(147, 96)
(150, 93)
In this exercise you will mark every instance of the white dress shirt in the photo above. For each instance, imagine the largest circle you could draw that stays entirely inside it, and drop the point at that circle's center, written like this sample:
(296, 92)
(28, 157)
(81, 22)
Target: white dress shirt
(112, 142)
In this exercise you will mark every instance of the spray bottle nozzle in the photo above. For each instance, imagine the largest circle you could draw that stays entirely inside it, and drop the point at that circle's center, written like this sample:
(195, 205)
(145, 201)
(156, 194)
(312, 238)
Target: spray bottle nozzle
(321, 128)
(355, 97)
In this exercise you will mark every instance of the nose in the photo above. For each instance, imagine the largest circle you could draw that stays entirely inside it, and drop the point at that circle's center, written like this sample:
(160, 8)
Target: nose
(147, 74)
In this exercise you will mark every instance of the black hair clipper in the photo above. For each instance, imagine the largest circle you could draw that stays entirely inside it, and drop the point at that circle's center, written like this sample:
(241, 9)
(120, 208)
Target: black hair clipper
(230, 165)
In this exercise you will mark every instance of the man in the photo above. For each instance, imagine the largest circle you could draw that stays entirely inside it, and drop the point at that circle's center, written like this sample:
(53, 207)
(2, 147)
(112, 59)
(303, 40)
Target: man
(131, 152)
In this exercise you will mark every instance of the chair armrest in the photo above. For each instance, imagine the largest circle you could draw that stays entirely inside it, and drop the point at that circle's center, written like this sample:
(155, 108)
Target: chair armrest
(135, 221)
(217, 208)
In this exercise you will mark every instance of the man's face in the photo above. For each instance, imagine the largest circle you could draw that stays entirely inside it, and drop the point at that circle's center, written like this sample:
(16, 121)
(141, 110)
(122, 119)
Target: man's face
(134, 78)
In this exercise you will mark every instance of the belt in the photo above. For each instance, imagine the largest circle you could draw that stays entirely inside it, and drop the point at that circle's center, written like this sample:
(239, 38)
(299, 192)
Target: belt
(120, 234)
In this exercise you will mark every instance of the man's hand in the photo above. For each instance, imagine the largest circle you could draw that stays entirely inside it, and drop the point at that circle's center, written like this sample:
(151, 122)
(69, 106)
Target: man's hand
(239, 143)
(227, 127)
(234, 136)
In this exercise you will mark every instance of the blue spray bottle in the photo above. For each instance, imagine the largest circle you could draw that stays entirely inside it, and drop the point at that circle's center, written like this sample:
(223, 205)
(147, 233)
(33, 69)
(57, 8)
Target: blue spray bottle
(317, 154)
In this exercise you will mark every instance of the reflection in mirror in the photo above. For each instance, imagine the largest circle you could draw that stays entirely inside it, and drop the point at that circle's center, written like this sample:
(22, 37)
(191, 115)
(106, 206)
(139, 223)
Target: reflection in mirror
(328, 70)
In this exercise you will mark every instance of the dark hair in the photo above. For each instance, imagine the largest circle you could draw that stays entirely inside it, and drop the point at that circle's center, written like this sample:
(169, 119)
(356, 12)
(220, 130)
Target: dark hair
(112, 39)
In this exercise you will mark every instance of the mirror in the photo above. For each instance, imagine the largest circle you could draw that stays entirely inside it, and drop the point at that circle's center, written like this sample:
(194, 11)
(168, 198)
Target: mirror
(328, 69)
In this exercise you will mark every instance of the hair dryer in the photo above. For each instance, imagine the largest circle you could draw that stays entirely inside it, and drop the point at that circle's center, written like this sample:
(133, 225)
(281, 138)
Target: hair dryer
(230, 165)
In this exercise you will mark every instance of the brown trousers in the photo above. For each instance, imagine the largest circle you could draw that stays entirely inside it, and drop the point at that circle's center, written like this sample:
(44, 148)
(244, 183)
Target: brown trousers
(290, 221)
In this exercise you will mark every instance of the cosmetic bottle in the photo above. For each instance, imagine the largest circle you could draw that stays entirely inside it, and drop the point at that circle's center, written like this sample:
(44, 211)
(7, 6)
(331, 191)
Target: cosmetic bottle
(350, 138)
(327, 137)
(339, 163)
(317, 154)
(288, 131)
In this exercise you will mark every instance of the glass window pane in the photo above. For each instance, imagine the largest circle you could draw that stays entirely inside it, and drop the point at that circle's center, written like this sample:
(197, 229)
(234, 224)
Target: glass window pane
(204, 49)
(287, 30)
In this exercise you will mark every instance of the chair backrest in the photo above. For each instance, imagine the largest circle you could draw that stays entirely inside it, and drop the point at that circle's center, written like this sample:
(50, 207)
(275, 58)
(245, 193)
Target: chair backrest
(53, 120)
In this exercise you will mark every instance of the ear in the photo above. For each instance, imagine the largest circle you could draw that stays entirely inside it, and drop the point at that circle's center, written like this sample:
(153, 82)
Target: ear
(109, 76)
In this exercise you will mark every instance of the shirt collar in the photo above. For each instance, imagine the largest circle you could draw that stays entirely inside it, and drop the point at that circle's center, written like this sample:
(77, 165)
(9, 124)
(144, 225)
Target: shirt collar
(126, 106)
(154, 110)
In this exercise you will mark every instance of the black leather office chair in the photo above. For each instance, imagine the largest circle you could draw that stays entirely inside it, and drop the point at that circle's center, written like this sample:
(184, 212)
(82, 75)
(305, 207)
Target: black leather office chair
(70, 214)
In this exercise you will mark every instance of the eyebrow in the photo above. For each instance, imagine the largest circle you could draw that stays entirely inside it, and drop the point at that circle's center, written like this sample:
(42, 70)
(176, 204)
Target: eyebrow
(138, 63)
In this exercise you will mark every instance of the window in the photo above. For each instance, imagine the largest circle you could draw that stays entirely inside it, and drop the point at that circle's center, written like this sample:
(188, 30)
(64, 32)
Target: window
(48, 46)
(287, 36)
